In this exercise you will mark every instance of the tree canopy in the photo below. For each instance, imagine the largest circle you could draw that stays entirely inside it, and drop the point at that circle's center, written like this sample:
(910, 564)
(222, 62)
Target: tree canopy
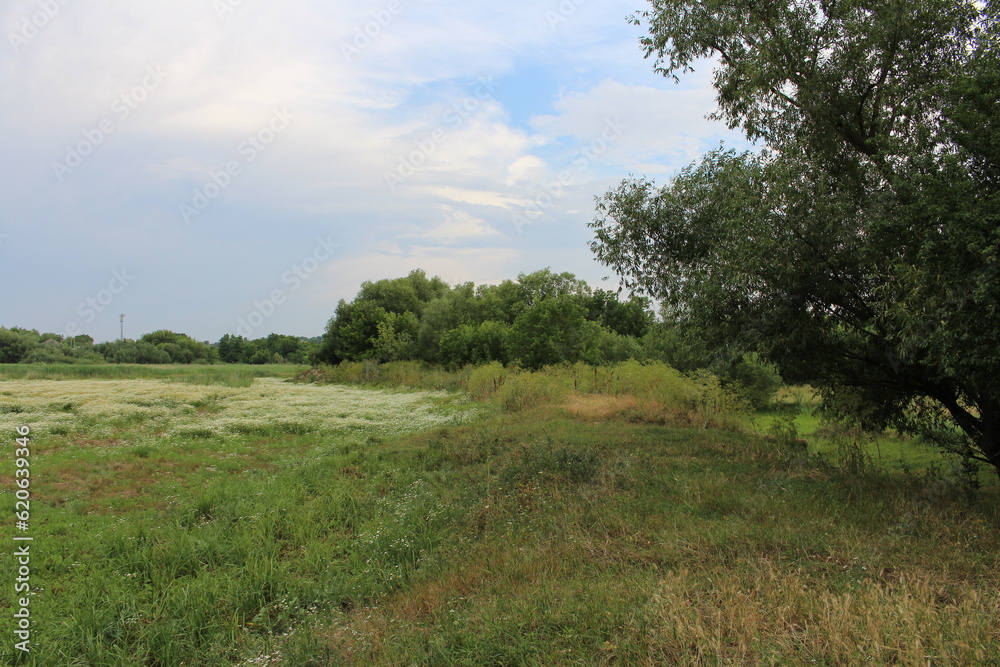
(858, 246)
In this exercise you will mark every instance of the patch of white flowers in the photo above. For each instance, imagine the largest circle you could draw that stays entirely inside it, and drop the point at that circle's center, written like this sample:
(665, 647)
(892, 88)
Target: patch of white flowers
(111, 408)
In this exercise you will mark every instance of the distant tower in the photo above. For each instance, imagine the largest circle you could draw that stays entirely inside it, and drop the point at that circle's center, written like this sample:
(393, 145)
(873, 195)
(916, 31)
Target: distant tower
(123, 326)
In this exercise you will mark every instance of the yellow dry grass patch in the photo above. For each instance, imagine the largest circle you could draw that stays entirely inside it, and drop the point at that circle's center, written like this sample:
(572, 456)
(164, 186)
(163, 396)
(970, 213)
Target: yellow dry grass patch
(603, 407)
(599, 407)
(918, 619)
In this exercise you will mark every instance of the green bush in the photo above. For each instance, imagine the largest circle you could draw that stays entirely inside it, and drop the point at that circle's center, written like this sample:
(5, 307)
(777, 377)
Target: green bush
(754, 380)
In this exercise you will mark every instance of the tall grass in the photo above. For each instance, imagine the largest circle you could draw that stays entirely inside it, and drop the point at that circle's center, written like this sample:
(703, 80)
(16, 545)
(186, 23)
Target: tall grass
(651, 392)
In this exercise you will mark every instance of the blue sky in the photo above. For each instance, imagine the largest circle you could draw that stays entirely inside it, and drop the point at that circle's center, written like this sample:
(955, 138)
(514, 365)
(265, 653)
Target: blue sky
(209, 166)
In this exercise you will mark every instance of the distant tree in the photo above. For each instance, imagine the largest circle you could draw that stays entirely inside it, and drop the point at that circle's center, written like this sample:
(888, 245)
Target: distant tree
(177, 353)
(16, 343)
(282, 345)
(679, 347)
(256, 352)
(501, 303)
(551, 332)
(603, 347)
(626, 318)
(476, 344)
(352, 332)
(132, 352)
(180, 348)
(62, 354)
(395, 338)
(83, 340)
(453, 309)
(232, 349)
(543, 285)
(420, 318)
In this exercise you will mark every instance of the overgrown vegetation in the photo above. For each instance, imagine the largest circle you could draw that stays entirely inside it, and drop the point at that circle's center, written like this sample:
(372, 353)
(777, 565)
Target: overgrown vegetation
(653, 392)
(585, 516)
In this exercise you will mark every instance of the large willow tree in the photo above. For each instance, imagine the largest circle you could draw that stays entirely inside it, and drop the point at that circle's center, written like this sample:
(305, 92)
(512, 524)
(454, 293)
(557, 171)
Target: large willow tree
(859, 246)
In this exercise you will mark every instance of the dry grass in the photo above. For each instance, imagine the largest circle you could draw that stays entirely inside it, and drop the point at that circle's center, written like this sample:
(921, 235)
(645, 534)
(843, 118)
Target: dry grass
(599, 407)
(627, 407)
(760, 612)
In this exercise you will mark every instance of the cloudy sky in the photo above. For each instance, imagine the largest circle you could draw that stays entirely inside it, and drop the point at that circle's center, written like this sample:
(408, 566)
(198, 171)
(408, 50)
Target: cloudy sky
(209, 166)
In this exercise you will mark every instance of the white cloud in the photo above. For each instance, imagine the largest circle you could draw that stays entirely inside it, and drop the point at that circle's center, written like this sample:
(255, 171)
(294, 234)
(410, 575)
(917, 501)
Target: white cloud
(459, 224)
(342, 279)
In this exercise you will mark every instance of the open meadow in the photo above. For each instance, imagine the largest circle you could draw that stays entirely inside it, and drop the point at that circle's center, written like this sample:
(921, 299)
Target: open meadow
(209, 518)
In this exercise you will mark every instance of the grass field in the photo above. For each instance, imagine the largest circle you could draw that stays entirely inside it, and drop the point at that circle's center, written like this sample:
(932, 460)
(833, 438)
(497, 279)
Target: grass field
(234, 375)
(202, 522)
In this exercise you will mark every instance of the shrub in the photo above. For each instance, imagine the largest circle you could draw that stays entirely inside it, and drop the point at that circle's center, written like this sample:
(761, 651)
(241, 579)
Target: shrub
(754, 380)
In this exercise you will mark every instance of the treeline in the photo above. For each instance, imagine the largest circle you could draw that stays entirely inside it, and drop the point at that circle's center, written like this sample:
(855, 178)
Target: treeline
(541, 319)
(27, 346)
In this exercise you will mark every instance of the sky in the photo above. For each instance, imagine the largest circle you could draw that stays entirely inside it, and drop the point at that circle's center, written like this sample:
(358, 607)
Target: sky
(239, 166)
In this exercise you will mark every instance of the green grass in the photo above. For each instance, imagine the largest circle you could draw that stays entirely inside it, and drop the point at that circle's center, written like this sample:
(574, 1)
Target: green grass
(798, 407)
(567, 534)
(232, 375)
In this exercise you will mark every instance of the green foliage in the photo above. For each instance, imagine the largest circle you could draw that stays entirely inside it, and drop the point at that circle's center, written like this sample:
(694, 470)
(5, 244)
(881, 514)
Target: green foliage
(675, 347)
(232, 349)
(132, 352)
(480, 344)
(395, 337)
(62, 354)
(353, 331)
(274, 349)
(457, 308)
(858, 249)
(753, 379)
(550, 332)
(631, 318)
(15, 344)
(604, 347)
(180, 348)
(542, 318)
